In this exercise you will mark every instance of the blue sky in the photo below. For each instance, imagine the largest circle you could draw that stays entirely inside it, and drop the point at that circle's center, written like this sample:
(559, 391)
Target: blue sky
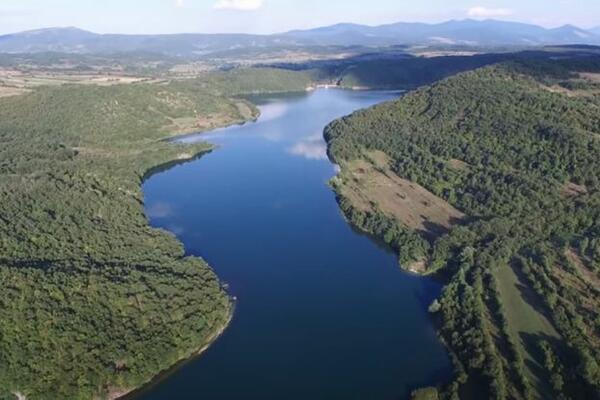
(268, 16)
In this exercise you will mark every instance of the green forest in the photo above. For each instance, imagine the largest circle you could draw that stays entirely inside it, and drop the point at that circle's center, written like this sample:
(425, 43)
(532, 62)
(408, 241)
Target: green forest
(95, 302)
(514, 146)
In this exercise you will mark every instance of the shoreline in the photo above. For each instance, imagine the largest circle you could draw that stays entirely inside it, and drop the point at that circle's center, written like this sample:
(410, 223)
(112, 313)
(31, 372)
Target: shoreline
(175, 138)
(131, 394)
(128, 394)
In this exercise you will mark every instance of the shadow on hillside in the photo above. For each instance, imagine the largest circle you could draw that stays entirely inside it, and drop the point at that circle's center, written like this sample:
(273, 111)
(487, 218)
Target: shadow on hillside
(529, 295)
(531, 343)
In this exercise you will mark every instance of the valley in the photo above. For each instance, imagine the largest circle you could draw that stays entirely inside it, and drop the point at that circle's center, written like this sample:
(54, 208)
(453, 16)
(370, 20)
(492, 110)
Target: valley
(386, 211)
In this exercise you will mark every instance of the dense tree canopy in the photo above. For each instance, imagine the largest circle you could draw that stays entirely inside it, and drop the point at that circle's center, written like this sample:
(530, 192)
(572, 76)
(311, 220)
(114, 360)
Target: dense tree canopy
(94, 301)
(527, 139)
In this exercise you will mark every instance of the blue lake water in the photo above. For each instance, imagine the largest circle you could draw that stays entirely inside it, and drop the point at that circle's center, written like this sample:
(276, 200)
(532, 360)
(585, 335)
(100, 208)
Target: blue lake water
(323, 312)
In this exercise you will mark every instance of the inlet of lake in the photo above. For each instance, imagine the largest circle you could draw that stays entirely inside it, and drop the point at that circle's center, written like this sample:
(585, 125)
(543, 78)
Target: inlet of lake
(323, 311)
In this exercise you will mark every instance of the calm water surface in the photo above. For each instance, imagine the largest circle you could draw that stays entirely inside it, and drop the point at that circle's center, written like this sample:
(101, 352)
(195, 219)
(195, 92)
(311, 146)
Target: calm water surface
(323, 312)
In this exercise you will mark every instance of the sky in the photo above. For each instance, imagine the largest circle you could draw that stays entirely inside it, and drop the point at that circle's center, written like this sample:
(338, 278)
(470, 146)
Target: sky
(271, 16)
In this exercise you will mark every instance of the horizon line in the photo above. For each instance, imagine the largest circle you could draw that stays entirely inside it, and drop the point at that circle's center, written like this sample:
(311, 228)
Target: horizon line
(303, 29)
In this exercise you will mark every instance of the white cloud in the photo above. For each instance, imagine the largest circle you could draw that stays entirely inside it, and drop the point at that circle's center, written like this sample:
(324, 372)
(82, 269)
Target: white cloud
(272, 111)
(239, 5)
(484, 12)
(179, 3)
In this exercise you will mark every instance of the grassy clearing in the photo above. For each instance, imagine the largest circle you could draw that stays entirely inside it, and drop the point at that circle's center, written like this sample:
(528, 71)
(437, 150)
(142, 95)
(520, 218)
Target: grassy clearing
(371, 185)
(527, 324)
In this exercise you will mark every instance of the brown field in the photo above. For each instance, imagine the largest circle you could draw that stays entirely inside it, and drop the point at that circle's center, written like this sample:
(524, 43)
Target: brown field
(212, 121)
(17, 82)
(370, 184)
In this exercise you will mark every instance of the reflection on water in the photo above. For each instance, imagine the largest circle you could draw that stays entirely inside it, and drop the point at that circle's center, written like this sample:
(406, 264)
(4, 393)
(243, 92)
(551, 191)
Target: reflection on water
(272, 111)
(159, 209)
(311, 148)
(323, 312)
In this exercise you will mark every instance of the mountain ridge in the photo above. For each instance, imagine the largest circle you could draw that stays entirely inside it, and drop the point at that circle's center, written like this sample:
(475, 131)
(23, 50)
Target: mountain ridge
(468, 32)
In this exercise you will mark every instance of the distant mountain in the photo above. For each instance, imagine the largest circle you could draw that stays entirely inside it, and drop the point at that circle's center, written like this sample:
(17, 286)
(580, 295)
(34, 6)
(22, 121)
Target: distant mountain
(73, 40)
(465, 33)
(51, 39)
(596, 30)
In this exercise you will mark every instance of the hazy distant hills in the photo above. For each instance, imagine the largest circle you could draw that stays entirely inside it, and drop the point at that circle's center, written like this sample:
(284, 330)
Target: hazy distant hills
(73, 40)
(463, 33)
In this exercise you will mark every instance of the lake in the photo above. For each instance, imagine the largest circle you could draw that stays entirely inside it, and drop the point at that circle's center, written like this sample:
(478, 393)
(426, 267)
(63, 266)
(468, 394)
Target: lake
(323, 311)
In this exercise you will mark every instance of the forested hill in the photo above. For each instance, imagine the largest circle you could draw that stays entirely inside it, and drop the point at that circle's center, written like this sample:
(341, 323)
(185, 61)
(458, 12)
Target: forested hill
(502, 168)
(93, 301)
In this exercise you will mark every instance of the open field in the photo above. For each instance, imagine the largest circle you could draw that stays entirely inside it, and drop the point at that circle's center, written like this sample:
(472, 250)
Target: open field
(371, 185)
(527, 324)
(32, 79)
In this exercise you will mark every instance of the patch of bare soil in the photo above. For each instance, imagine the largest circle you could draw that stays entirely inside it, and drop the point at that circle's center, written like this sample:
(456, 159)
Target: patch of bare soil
(199, 123)
(458, 165)
(418, 267)
(571, 189)
(370, 185)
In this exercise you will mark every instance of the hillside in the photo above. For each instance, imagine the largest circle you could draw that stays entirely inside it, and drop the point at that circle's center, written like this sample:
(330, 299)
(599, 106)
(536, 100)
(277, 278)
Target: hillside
(94, 301)
(412, 72)
(491, 180)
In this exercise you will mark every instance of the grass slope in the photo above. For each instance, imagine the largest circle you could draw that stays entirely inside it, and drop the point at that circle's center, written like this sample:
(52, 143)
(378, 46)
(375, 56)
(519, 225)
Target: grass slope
(526, 317)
